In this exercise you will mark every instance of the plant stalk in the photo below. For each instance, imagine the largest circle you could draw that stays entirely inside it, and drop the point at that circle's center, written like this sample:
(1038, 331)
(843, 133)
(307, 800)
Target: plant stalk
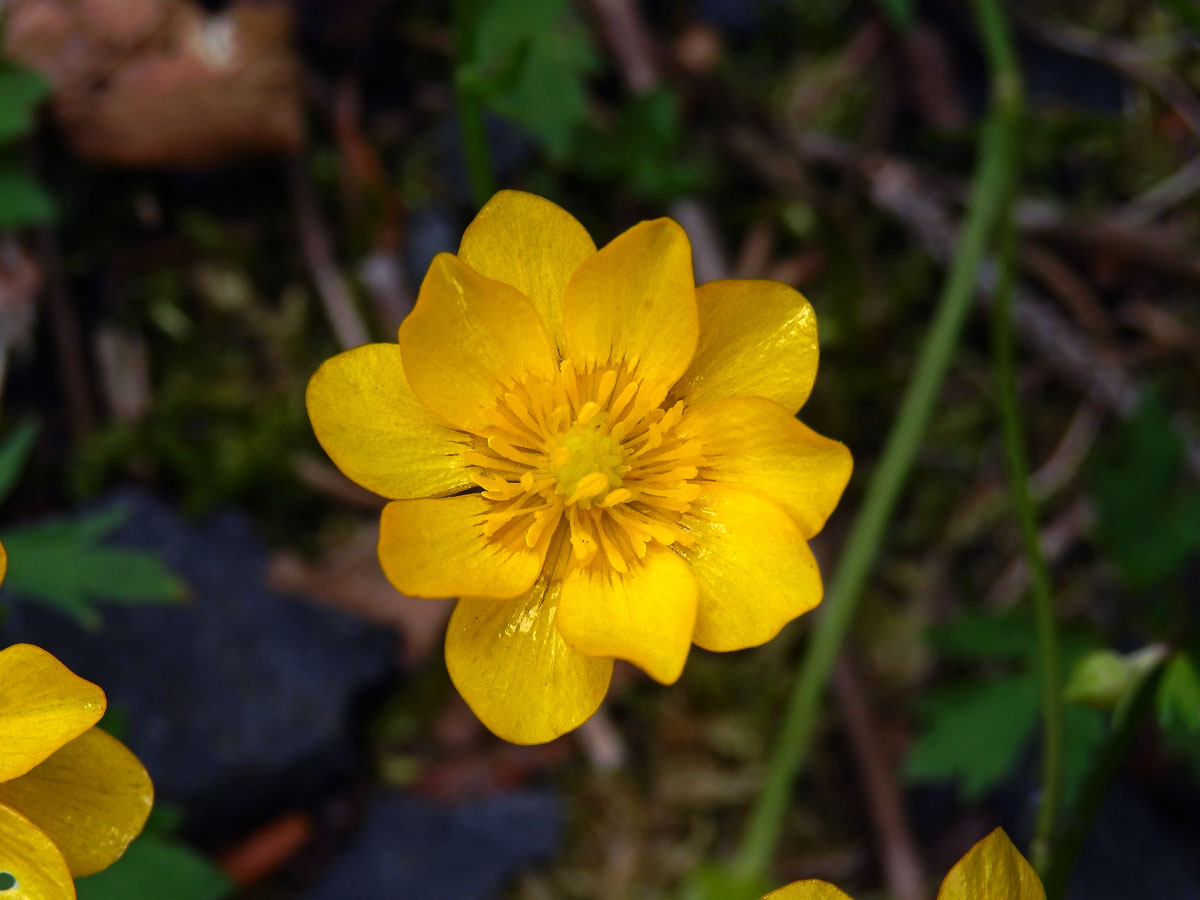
(990, 193)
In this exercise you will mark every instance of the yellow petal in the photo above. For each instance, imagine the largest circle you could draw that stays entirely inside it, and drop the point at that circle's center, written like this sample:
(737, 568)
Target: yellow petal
(635, 300)
(376, 431)
(3, 563)
(91, 798)
(812, 889)
(43, 704)
(31, 858)
(513, 668)
(467, 339)
(756, 444)
(529, 243)
(645, 616)
(992, 870)
(757, 339)
(436, 548)
(753, 569)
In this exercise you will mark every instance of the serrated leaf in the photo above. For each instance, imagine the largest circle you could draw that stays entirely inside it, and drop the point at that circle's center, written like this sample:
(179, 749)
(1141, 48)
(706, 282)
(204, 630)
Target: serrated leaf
(153, 868)
(115, 574)
(975, 733)
(533, 56)
(22, 201)
(14, 453)
(1148, 517)
(21, 91)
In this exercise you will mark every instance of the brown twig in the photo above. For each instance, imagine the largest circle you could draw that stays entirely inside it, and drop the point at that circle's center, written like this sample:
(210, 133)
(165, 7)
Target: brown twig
(322, 265)
(898, 188)
(900, 860)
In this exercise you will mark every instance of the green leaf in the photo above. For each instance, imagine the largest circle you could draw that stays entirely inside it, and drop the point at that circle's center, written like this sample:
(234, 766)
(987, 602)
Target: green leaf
(974, 636)
(532, 58)
(1178, 698)
(643, 150)
(22, 201)
(1148, 517)
(153, 868)
(21, 91)
(975, 733)
(1083, 734)
(36, 554)
(713, 881)
(14, 453)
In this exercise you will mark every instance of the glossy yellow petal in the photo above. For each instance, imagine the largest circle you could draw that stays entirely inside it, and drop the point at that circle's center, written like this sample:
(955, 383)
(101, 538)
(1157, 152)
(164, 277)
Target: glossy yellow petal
(467, 339)
(645, 616)
(757, 339)
(992, 870)
(635, 301)
(812, 889)
(437, 548)
(91, 798)
(376, 431)
(32, 860)
(756, 444)
(513, 668)
(3, 563)
(533, 245)
(43, 704)
(753, 569)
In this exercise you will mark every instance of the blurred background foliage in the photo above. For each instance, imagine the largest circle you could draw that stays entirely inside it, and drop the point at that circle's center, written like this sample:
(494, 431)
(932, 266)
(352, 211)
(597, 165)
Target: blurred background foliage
(200, 202)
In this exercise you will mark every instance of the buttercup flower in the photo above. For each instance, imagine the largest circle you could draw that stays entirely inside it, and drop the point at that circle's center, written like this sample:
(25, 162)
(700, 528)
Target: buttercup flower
(72, 797)
(599, 458)
(991, 870)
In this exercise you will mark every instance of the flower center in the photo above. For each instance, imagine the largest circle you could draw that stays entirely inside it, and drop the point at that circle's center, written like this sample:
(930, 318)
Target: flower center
(593, 454)
(586, 462)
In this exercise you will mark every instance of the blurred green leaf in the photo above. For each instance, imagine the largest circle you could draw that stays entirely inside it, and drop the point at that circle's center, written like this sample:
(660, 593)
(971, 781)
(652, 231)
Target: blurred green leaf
(532, 57)
(643, 150)
(21, 91)
(1178, 697)
(14, 453)
(976, 733)
(22, 201)
(974, 635)
(157, 866)
(36, 570)
(1148, 517)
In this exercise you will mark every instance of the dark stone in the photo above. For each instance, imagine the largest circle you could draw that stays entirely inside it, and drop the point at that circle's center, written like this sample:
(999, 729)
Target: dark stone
(413, 848)
(1132, 853)
(239, 697)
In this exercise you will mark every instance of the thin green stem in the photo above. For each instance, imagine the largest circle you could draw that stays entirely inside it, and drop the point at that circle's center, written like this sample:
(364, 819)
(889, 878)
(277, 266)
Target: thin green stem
(1126, 722)
(470, 104)
(990, 192)
(1004, 364)
(1026, 512)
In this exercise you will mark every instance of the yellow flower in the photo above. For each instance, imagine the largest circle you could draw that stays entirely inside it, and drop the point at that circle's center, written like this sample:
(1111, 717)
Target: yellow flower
(601, 459)
(991, 870)
(72, 797)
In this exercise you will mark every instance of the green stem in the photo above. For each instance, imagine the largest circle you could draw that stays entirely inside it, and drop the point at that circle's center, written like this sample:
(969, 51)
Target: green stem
(1126, 722)
(990, 193)
(470, 104)
(1003, 359)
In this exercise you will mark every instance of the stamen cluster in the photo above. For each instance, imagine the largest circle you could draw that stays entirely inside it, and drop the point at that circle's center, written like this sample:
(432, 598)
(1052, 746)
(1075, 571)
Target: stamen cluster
(597, 450)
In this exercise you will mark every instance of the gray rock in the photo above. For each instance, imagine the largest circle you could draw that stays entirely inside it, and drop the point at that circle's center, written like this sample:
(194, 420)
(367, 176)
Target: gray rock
(236, 698)
(413, 848)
